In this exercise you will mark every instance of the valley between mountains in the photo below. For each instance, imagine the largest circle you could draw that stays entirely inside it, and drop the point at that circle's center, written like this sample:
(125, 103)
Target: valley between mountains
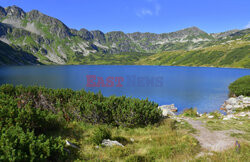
(31, 38)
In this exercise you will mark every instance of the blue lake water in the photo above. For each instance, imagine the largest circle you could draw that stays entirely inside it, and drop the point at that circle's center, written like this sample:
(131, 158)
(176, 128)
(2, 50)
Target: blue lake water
(201, 87)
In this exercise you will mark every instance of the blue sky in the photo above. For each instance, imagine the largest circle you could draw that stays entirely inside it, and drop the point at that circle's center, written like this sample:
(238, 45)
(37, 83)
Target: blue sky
(158, 16)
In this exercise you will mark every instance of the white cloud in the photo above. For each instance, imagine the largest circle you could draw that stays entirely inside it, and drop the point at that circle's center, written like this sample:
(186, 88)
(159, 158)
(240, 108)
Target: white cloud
(248, 25)
(153, 11)
(144, 12)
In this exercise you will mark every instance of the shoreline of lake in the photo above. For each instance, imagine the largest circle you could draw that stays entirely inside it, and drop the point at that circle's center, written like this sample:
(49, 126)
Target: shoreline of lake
(125, 65)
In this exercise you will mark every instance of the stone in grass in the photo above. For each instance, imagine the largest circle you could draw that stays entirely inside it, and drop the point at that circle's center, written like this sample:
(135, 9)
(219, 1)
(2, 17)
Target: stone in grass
(110, 143)
(71, 144)
(210, 116)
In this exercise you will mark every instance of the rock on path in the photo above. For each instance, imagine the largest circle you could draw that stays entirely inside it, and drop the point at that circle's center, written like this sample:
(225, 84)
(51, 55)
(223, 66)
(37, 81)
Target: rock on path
(211, 140)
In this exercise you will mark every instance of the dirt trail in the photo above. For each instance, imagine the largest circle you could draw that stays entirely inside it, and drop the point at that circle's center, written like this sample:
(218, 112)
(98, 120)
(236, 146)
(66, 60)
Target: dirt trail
(212, 140)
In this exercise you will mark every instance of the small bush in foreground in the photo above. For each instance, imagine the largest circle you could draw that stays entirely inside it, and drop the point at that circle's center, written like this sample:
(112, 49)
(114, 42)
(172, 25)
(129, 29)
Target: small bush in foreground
(240, 87)
(100, 134)
(19, 145)
(216, 114)
(191, 112)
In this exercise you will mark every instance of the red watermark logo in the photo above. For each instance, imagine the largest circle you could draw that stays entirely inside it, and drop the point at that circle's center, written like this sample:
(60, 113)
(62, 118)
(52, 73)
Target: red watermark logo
(130, 81)
(110, 81)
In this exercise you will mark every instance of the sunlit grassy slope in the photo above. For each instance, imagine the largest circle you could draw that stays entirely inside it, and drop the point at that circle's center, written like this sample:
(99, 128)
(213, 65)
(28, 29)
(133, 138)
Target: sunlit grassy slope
(229, 54)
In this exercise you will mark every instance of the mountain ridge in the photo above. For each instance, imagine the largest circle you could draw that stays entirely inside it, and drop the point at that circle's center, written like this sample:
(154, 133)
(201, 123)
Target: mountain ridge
(53, 42)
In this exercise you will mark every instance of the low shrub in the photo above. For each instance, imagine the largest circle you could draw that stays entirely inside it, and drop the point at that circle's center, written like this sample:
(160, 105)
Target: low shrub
(27, 117)
(23, 129)
(100, 134)
(19, 145)
(191, 112)
(240, 87)
(139, 158)
(216, 114)
(83, 106)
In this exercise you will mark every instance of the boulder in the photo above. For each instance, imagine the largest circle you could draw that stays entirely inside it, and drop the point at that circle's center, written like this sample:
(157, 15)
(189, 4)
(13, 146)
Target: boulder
(168, 110)
(231, 101)
(230, 116)
(228, 107)
(110, 143)
(210, 116)
(71, 144)
(234, 103)
(237, 106)
(246, 100)
(240, 97)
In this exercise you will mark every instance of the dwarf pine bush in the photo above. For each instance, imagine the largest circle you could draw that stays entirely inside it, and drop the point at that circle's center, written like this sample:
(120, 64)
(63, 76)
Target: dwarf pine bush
(99, 134)
(29, 114)
(240, 87)
(19, 145)
(81, 106)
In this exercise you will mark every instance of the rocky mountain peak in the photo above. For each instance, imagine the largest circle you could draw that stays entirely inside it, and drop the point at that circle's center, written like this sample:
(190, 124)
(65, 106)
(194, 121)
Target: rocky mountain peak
(2, 12)
(191, 31)
(85, 34)
(15, 12)
(34, 14)
(115, 35)
(99, 36)
(55, 25)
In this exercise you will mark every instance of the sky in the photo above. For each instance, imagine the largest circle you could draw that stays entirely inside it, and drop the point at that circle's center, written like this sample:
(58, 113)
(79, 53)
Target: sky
(156, 16)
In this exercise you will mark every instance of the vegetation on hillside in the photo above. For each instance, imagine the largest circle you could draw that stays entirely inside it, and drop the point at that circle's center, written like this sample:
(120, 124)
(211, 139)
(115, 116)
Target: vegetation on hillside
(240, 87)
(14, 56)
(232, 54)
(111, 59)
(35, 122)
(52, 42)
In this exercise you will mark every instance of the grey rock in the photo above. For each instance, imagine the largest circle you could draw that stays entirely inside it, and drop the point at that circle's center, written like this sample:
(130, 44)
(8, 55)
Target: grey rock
(15, 12)
(55, 25)
(234, 103)
(210, 116)
(110, 143)
(168, 110)
(71, 144)
(2, 12)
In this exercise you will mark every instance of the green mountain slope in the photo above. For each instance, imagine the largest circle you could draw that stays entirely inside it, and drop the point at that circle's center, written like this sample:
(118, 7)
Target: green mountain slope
(52, 42)
(233, 54)
(12, 56)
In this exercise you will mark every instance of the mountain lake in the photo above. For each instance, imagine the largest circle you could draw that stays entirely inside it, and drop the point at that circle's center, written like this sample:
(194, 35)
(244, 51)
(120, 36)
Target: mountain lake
(203, 87)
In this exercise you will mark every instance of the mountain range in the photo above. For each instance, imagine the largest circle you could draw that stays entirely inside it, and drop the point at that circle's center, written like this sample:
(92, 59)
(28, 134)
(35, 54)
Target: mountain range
(35, 38)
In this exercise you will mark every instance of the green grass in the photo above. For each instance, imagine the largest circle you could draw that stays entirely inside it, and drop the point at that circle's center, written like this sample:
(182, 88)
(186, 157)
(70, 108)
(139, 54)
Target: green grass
(191, 112)
(152, 143)
(241, 124)
(234, 54)
(229, 155)
(111, 59)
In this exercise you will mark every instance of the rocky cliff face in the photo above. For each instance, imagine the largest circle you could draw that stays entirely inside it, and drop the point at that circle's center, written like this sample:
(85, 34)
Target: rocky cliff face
(51, 41)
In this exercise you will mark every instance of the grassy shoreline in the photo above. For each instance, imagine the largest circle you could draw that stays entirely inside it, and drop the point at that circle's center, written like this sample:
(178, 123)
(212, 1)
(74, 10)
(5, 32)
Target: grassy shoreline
(128, 65)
